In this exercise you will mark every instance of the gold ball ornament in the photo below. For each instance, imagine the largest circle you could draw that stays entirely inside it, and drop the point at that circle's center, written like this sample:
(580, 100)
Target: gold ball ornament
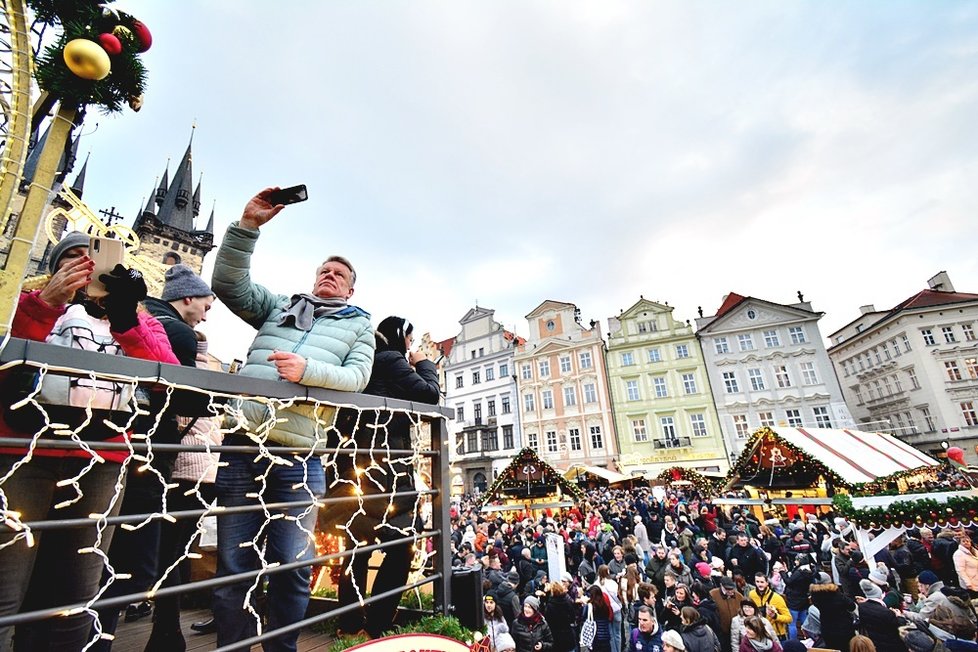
(122, 32)
(87, 59)
(136, 103)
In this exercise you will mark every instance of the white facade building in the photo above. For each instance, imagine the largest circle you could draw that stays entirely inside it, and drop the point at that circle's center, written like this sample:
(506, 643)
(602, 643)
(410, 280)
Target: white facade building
(913, 370)
(768, 367)
(481, 388)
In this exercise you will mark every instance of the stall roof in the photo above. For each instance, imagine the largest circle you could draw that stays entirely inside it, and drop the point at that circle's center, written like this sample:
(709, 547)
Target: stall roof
(611, 477)
(856, 456)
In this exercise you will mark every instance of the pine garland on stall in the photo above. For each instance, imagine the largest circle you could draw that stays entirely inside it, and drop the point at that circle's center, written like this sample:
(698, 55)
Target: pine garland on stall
(956, 510)
(513, 477)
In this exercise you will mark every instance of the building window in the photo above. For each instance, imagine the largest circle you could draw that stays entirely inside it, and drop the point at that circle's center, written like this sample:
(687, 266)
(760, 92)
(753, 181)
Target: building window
(822, 419)
(476, 377)
(508, 437)
(491, 407)
(458, 381)
(928, 337)
(781, 375)
(526, 372)
(797, 334)
(682, 351)
(720, 344)
(659, 384)
(928, 419)
(969, 332)
(771, 339)
(627, 359)
(655, 355)
(794, 418)
(745, 342)
(876, 354)
(879, 388)
(953, 372)
(647, 326)
(477, 411)
(473, 441)
(913, 378)
(490, 440)
(741, 426)
(565, 364)
(533, 441)
(970, 416)
(528, 403)
(808, 375)
(585, 358)
(481, 353)
(639, 432)
(906, 343)
(574, 438)
(460, 413)
(896, 381)
(551, 441)
(547, 399)
(730, 382)
(886, 384)
(689, 383)
(490, 374)
(570, 396)
(503, 370)
(697, 423)
(971, 365)
(948, 334)
(766, 419)
(631, 390)
(911, 424)
(505, 404)
(544, 368)
(590, 393)
(668, 426)
(597, 441)
(756, 379)
(896, 348)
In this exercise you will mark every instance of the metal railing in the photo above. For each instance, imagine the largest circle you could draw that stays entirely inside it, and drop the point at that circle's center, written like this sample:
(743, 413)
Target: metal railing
(18, 353)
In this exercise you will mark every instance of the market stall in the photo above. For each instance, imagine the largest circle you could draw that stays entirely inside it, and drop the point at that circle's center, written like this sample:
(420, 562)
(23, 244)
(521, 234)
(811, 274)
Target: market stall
(531, 484)
(596, 476)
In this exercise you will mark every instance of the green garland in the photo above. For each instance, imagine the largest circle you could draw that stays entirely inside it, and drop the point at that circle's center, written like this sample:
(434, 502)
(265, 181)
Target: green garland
(701, 483)
(510, 478)
(806, 465)
(909, 513)
(85, 19)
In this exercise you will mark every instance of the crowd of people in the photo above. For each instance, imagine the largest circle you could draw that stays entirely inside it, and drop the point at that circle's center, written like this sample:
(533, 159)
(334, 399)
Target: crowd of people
(676, 573)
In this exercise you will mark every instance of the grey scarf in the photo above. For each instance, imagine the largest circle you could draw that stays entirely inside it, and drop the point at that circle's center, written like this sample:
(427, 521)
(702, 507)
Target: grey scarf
(306, 307)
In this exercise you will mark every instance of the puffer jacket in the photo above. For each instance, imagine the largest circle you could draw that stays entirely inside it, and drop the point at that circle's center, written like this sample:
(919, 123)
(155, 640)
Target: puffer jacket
(528, 632)
(698, 637)
(339, 348)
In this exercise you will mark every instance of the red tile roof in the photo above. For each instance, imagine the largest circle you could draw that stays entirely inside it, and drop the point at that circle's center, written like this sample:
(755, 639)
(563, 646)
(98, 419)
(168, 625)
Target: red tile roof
(928, 298)
(445, 346)
(729, 303)
(520, 341)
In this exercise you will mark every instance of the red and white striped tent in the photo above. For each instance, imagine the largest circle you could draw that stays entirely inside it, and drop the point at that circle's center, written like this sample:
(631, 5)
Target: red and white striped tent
(855, 456)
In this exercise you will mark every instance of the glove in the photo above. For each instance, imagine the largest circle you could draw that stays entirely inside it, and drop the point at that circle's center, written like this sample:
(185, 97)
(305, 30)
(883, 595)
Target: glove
(126, 288)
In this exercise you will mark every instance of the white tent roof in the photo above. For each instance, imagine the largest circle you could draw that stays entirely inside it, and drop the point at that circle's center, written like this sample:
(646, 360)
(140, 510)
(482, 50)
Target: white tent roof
(855, 455)
(610, 476)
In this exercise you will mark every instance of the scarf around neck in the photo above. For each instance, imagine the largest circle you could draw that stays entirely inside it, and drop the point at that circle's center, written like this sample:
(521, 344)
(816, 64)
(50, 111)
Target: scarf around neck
(304, 308)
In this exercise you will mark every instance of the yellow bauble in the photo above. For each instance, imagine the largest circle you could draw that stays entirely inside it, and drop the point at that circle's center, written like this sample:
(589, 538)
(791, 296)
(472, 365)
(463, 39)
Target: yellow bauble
(122, 32)
(87, 59)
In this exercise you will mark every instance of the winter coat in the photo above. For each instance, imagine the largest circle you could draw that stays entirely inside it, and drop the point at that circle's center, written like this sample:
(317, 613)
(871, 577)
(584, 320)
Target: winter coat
(561, 614)
(640, 641)
(698, 637)
(655, 570)
(942, 555)
(710, 614)
(796, 589)
(72, 326)
(737, 631)
(880, 624)
(772, 645)
(683, 574)
(727, 608)
(772, 599)
(966, 565)
(642, 536)
(749, 560)
(836, 615)
(338, 349)
(497, 631)
(509, 601)
(935, 598)
(527, 633)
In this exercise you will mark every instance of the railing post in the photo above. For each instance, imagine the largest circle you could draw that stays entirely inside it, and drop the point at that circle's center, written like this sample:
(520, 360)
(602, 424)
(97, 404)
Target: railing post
(441, 515)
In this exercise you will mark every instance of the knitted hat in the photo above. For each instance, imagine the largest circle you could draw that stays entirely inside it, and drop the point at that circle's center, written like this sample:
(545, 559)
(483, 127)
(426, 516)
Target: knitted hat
(673, 638)
(823, 578)
(532, 601)
(70, 241)
(927, 577)
(870, 590)
(703, 569)
(878, 576)
(181, 281)
(513, 576)
(916, 640)
(631, 558)
(717, 562)
(727, 583)
(813, 623)
(566, 577)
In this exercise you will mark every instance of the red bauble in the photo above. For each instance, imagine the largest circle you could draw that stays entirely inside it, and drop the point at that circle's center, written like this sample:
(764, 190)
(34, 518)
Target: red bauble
(953, 520)
(142, 35)
(110, 43)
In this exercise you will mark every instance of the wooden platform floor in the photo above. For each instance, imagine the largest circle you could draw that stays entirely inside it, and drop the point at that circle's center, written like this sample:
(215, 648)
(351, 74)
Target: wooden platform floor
(132, 637)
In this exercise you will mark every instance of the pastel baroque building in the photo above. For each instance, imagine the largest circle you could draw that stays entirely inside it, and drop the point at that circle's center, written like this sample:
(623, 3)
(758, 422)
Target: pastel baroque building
(912, 370)
(480, 387)
(768, 367)
(564, 402)
(660, 391)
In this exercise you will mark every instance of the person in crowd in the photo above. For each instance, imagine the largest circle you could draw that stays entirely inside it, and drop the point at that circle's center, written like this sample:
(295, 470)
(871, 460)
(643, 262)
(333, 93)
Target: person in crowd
(398, 372)
(876, 620)
(747, 611)
(697, 635)
(617, 564)
(756, 637)
(771, 604)
(655, 569)
(811, 630)
(706, 607)
(598, 607)
(588, 569)
(746, 558)
(611, 589)
(944, 545)
(796, 587)
(682, 572)
(646, 596)
(728, 601)
(645, 636)
(48, 571)
(966, 564)
(317, 339)
(507, 596)
(932, 596)
(672, 641)
(671, 615)
(561, 614)
(531, 631)
(497, 627)
(642, 537)
(860, 643)
(881, 577)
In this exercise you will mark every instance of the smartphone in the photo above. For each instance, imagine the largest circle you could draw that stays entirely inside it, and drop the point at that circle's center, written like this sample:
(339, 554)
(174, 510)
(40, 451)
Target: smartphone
(286, 196)
(107, 253)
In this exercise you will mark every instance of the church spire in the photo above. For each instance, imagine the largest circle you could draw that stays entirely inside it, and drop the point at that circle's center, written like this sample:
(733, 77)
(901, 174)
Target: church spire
(196, 203)
(79, 185)
(210, 222)
(161, 189)
(176, 210)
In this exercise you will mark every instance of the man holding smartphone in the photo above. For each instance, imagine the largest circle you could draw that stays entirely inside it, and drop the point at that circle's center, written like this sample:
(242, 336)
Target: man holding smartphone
(316, 339)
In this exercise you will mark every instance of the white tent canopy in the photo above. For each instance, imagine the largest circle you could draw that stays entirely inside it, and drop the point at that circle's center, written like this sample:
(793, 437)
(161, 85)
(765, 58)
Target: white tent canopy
(611, 477)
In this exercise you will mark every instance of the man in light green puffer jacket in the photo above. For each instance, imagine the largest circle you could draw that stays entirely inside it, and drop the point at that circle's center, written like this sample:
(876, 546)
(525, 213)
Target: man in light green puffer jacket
(315, 339)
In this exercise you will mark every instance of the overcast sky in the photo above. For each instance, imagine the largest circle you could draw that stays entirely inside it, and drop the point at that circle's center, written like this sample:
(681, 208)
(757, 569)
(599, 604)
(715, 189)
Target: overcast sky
(507, 153)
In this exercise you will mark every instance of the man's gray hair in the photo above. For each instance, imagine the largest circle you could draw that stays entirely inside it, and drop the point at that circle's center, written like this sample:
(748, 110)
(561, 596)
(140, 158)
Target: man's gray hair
(349, 265)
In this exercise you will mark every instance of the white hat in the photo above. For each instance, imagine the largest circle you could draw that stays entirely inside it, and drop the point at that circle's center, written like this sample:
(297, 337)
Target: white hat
(673, 638)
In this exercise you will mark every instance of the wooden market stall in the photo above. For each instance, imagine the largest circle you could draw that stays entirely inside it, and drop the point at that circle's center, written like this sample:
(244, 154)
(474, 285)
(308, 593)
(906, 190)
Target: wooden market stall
(529, 483)
(681, 476)
(591, 477)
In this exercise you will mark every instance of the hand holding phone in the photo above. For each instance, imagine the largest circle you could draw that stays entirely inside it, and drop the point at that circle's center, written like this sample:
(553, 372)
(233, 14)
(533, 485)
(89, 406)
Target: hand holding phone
(286, 196)
(106, 253)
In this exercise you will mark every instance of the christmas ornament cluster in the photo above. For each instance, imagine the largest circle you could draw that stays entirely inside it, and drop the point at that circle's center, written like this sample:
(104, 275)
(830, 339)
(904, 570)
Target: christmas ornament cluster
(95, 60)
